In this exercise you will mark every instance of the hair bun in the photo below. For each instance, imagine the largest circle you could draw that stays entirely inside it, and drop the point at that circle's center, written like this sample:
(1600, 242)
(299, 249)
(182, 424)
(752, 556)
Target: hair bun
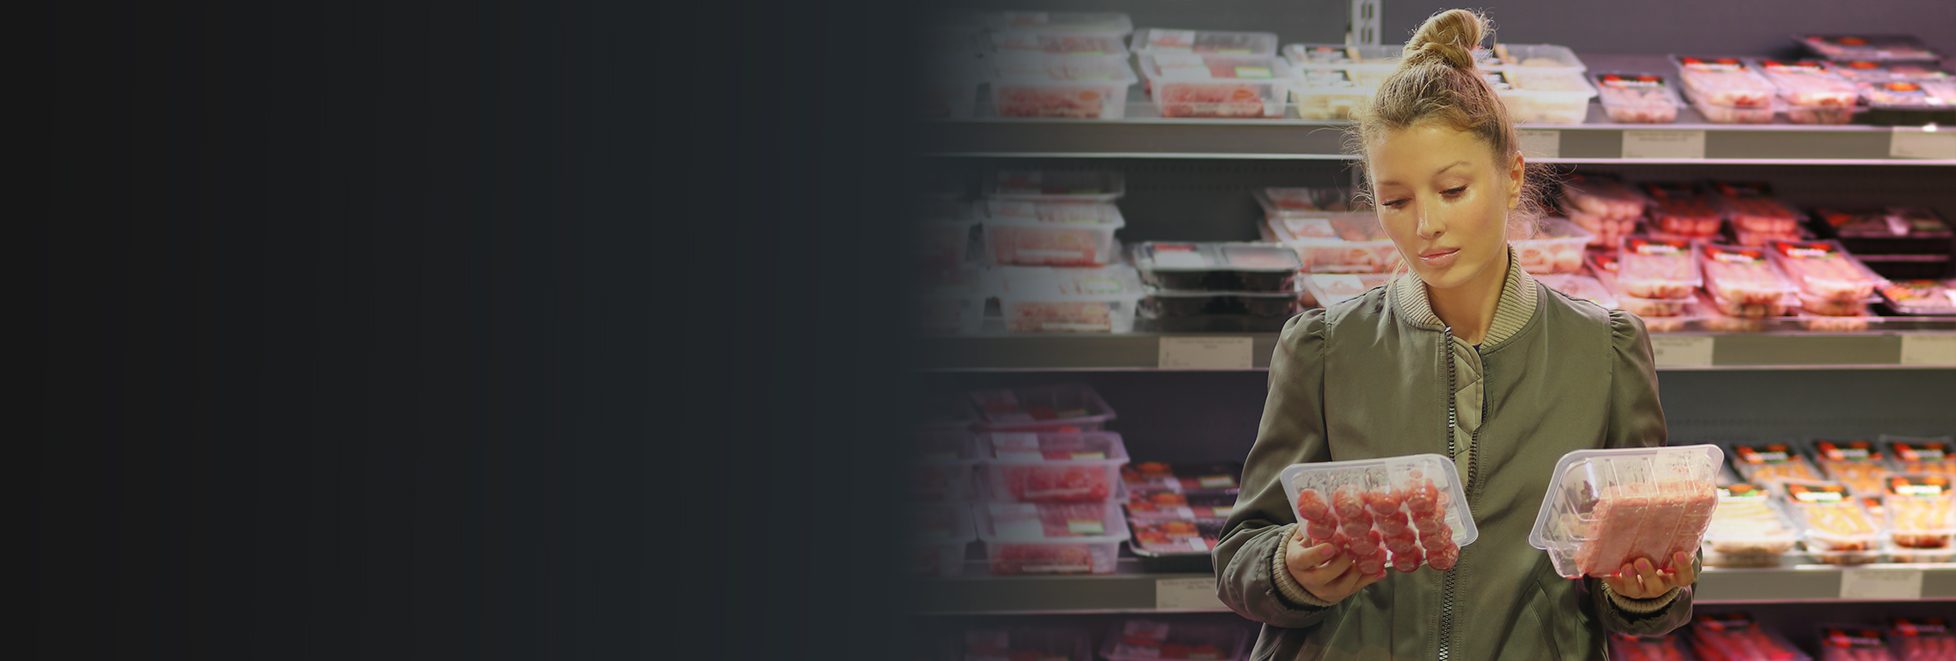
(1449, 36)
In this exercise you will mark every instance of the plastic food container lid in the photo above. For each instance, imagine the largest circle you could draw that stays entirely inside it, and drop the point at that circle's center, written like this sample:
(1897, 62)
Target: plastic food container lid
(1050, 43)
(1094, 448)
(1158, 40)
(1030, 523)
(1877, 47)
(1805, 494)
(1382, 58)
(1820, 265)
(1643, 259)
(1333, 288)
(1056, 185)
(1723, 74)
(1111, 22)
(1390, 472)
(1033, 68)
(1743, 493)
(1028, 212)
(1635, 82)
(1174, 67)
(1186, 257)
(1871, 71)
(1582, 476)
(1534, 57)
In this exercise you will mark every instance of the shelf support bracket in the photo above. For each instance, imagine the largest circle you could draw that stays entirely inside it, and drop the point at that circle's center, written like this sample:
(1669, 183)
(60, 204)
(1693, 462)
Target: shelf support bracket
(1362, 23)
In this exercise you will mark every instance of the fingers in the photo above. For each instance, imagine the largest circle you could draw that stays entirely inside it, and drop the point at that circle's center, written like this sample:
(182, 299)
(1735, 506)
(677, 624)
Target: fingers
(1324, 574)
(1681, 564)
(1647, 575)
(1312, 556)
(1624, 582)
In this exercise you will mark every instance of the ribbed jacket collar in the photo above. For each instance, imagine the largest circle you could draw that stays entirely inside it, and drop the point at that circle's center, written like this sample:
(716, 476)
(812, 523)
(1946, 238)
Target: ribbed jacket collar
(1511, 313)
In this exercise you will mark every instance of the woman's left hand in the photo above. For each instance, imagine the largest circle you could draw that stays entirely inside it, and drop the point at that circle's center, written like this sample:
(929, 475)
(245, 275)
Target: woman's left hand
(1641, 580)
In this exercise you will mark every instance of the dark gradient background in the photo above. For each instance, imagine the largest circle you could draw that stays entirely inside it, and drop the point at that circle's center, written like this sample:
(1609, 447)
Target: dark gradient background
(487, 330)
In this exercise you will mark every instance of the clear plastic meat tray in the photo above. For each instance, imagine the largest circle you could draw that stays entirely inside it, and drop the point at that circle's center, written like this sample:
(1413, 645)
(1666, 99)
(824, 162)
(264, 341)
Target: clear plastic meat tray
(1335, 242)
(1810, 92)
(1149, 640)
(1921, 454)
(1054, 43)
(1874, 47)
(1061, 87)
(1856, 463)
(1547, 97)
(1330, 94)
(1028, 538)
(1607, 508)
(1207, 42)
(1064, 407)
(1657, 269)
(1771, 463)
(1056, 185)
(1035, 299)
(1743, 275)
(1835, 526)
(1637, 98)
(1725, 90)
(1748, 528)
(1534, 57)
(1824, 270)
(1920, 511)
(1051, 467)
(1191, 266)
(1398, 512)
(1026, 233)
(1555, 246)
(1217, 86)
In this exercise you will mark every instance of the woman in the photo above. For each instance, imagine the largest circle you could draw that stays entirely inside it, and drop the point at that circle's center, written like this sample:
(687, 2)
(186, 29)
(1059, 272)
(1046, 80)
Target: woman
(1466, 354)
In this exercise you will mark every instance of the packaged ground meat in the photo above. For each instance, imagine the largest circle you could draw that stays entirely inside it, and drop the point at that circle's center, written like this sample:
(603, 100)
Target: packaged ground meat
(1217, 86)
(1748, 529)
(1028, 538)
(1603, 205)
(1061, 86)
(1836, 528)
(1743, 276)
(1917, 454)
(1857, 463)
(1335, 242)
(1825, 270)
(1810, 92)
(1770, 463)
(1398, 512)
(1051, 467)
(1759, 213)
(1607, 508)
(1683, 210)
(1637, 98)
(1922, 639)
(1921, 511)
(1147, 640)
(1555, 245)
(1735, 636)
(1725, 90)
(1657, 269)
(1886, 230)
(1280, 200)
(1853, 642)
(1066, 300)
(1025, 233)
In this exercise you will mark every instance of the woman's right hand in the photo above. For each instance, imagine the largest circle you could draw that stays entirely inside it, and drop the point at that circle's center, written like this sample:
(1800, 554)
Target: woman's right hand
(1323, 570)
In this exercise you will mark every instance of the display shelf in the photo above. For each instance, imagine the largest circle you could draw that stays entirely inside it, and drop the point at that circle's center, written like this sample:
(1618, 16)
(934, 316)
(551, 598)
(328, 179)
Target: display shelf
(1145, 134)
(1910, 344)
(1132, 590)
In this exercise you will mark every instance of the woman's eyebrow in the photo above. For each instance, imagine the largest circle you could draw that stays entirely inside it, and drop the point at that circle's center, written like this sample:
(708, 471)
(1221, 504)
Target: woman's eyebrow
(1449, 166)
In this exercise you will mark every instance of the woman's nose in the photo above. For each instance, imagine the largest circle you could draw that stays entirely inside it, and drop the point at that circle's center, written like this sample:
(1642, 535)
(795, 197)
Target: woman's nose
(1430, 224)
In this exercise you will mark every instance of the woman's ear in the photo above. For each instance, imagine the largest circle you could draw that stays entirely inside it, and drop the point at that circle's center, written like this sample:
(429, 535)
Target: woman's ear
(1517, 175)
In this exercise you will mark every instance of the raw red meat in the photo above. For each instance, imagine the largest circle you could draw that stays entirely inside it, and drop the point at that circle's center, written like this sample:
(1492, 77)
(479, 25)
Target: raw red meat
(1212, 100)
(1373, 525)
(1922, 639)
(1041, 559)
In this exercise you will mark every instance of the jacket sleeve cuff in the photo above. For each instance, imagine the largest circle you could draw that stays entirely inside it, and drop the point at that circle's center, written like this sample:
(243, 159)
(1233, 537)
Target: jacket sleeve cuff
(1287, 586)
(1640, 606)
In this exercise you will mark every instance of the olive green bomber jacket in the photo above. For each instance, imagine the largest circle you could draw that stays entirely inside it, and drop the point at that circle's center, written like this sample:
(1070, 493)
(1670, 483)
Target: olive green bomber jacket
(1367, 378)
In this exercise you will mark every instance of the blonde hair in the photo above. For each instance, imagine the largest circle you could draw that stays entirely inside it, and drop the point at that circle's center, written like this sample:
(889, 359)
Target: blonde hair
(1438, 81)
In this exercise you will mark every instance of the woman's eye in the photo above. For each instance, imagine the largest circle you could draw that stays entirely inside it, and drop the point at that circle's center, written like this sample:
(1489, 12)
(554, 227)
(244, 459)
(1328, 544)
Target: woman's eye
(1399, 203)
(1454, 192)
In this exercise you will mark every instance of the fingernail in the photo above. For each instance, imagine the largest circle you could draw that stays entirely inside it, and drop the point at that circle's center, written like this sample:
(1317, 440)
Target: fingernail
(1643, 565)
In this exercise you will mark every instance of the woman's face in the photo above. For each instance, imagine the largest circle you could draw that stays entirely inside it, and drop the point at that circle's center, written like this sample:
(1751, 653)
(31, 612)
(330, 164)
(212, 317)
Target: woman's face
(1444, 198)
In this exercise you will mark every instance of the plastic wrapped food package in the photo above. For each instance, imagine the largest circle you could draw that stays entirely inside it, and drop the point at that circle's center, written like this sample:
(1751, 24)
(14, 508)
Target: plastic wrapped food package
(1909, 95)
(1368, 65)
(1853, 642)
(1066, 300)
(1856, 463)
(1607, 508)
(1058, 43)
(1743, 276)
(1533, 58)
(1737, 637)
(1328, 289)
(1658, 307)
(1581, 287)
(1637, 98)
(1922, 639)
(1178, 505)
(1668, 647)
(1064, 407)
(1146, 640)
(1874, 47)
(1066, 87)
(1554, 246)
(1914, 454)
(1281, 200)
(1060, 22)
(1812, 93)
(1029, 538)
(1835, 526)
(1051, 467)
(1759, 213)
(1919, 297)
(1397, 512)
(1207, 42)
(1025, 233)
(1239, 86)
(1185, 479)
(1770, 463)
(1748, 529)
(1687, 216)
(1028, 644)
(1335, 242)
(942, 533)
(1887, 230)
(1232, 267)
(1921, 511)
(1330, 94)
(1605, 206)
(1166, 537)
(1056, 185)
(1725, 90)
(1752, 309)
(1550, 97)
(944, 462)
(1824, 270)
(1650, 268)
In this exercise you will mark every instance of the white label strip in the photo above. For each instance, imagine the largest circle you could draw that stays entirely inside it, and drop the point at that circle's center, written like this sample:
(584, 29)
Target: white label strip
(1881, 584)
(1682, 350)
(1921, 349)
(1204, 353)
(1539, 143)
(1915, 142)
(1187, 594)
(1639, 143)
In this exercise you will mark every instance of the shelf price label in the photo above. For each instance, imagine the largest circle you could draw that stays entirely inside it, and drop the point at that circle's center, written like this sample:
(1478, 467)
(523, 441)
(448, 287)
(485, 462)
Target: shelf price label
(1204, 353)
(1667, 144)
(1681, 350)
(1540, 143)
(1920, 142)
(1883, 584)
(1187, 594)
(1919, 349)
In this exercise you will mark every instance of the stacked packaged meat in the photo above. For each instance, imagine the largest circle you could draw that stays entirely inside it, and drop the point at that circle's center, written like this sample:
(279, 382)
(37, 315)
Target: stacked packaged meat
(1052, 217)
(1771, 463)
(1657, 277)
(1737, 637)
(1064, 407)
(1921, 517)
(1178, 511)
(1608, 508)
(1334, 241)
(1931, 456)
(1066, 300)
(1896, 242)
(1227, 86)
(1810, 92)
(1147, 640)
(1332, 82)
(1400, 512)
(1837, 527)
(1063, 86)
(1204, 42)
(1847, 642)
(1875, 47)
(1607, 207)
(1217, 287)
(1744, 283)
(1919, 298)
(1748, 529)
(1725, 90)
(1856, 463)
(1754, 215)
(1683, 211)
(1637, 98)
(1031, 538)
(1051, 467)
(1550, 245)
(1922, 639)
(1832, 283)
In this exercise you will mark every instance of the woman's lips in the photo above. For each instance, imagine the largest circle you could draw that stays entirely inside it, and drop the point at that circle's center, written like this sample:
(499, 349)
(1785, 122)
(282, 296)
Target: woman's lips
(1439, 258)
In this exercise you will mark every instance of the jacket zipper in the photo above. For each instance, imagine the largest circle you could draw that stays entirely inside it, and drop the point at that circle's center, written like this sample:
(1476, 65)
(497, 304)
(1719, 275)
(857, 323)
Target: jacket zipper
(1473, 466)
